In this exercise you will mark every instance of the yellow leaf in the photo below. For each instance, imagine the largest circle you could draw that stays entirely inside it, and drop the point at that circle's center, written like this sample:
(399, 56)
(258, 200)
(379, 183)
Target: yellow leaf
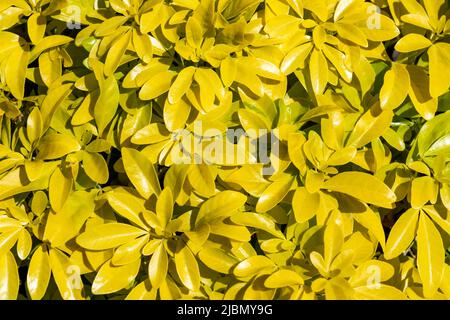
(142, 45)
(34, 125)
(430, 256)
(128, 205)
(66, 223)
(111, 278)
(230, 231)
(318, 71)
(194, 33)
(259, 221)
(372, 221)
(228, 71)
(60, 186)
(209, 85)
(66, 276)
(296, 58)
(129, 252)
(412, 42)
(419, 92)
(381, 292)
(218, 260)
(432, 7)
(52, 101)
(109, 235)
(202, 177)
(48, 43)
(319, 8)
(164, 207)
(437, 218)
(158, 266)
(250, 178)
(36, 25)
(351, 33)
(283, 278)
(362, 186)
(402, 234)
(253, 123)
(143, 291)
(187, 267)
(24, 243)
(252, 266)
(224, 204)
(116, 53)
(39, 273)
(15, 71)
(423, 189)
(246, 76)
(380, 27)
(110, 25)
(395, 87)
(9, 277)
(274, 194)
(150, 134)
(57, 145)
(338, 59)
(371, 125)
(150, 20)
(8, 239)
(305, 204)
(181, 84)
(106, 106)
(333, 241)
(157, 85)
(141, 172)
(95, 167)
(176, 115)
(439, 63)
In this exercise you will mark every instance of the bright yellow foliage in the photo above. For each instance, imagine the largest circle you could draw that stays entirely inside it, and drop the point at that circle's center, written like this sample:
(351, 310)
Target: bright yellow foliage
(112, 182)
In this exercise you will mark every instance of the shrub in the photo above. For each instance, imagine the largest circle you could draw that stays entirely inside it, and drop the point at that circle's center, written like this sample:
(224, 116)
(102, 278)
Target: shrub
(229, 149)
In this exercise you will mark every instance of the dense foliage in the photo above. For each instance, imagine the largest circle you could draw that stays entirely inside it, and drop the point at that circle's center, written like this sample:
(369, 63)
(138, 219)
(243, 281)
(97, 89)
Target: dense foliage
(116, 179)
